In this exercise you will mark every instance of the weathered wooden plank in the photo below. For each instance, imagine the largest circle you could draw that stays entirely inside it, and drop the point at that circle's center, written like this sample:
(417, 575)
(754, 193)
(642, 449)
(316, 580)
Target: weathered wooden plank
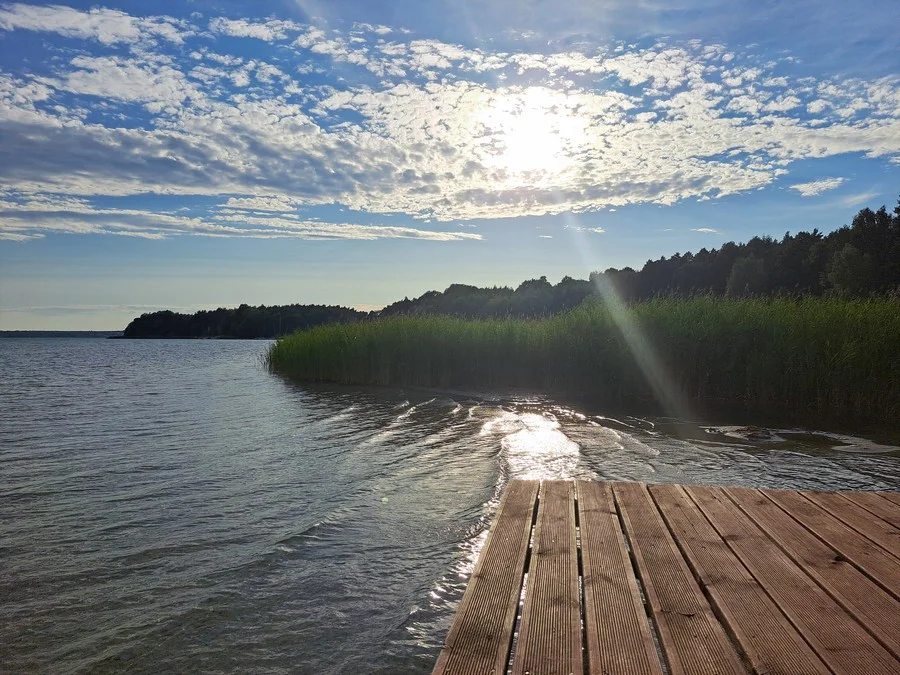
(838, 639)
(481, 635)
(619, 638)
(858, 594)
(692, 638)
(550, 633)
(768, 639)
(843, 507)
(880, 505)
(877, 563)
(890, 496)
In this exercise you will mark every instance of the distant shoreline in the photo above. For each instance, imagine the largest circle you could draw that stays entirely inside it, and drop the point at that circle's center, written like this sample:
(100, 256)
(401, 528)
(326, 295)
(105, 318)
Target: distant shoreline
(113, 335)
(188, 337)
(60, 333)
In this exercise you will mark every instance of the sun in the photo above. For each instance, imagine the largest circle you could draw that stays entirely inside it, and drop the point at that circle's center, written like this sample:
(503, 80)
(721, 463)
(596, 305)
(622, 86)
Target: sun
(531, 130)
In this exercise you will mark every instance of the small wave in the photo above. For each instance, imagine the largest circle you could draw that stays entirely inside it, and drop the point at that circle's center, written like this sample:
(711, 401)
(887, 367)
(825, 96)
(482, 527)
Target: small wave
(344, 414)
(504, 423)
(315, 531)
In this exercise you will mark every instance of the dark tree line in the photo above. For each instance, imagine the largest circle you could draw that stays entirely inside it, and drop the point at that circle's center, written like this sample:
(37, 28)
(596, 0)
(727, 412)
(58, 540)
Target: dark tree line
(536, 297)
(856, 260)
(245, 322)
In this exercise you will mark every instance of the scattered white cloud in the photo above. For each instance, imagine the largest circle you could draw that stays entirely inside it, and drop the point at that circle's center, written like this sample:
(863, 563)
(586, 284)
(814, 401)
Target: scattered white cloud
(579, 228)
(278, 203)
(817, 187)
(421, 127)
(705, 230)
(18, 236)
(22, 218)
(272, 30)
(127, 79)
(106, 26)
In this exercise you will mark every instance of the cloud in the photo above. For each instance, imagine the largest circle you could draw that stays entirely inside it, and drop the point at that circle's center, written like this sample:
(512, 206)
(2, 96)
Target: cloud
(272, 30)
(817, 187)
(404, 125)
(18, 236)
(313, 229)
(705, 230)
(278, 203)
(22, 218)
(106, 26)
(860, 198)
(578, 228)
(127, 79)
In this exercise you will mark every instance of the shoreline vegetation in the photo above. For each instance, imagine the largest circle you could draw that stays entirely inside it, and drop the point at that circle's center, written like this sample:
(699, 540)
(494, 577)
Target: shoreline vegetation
(792, 359)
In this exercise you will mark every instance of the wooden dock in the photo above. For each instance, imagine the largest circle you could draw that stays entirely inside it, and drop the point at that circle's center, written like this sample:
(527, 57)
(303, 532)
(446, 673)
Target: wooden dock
(592, 577)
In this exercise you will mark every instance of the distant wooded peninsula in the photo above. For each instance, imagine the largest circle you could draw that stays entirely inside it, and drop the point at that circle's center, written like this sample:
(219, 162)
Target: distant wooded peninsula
(859, 260)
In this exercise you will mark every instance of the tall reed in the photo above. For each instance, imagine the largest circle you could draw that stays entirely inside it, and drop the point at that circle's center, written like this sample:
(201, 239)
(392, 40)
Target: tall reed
(798, 359)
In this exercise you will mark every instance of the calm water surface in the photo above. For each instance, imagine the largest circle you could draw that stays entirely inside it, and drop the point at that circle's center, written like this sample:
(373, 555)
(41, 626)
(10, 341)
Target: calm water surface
(170, 506)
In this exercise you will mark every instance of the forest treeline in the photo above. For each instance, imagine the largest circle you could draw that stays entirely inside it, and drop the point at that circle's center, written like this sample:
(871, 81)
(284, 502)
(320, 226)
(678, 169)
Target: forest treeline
(245, 322)
(859, 260)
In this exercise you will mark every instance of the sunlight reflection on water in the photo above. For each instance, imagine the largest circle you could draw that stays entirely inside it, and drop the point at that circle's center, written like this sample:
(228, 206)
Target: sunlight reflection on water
(534, 447)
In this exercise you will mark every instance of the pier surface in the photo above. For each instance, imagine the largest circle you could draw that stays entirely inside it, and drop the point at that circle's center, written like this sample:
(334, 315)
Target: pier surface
(594, 577)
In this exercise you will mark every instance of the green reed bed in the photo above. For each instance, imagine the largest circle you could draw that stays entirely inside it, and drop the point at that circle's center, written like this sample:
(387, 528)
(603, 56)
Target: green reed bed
(802, 359)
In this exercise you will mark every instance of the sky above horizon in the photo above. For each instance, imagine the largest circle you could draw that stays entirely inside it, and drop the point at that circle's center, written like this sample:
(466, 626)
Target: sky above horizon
(201, 154)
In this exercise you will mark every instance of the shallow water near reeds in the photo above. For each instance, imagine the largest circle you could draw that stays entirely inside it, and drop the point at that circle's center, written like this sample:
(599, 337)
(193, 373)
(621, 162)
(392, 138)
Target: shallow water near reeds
(170, 506)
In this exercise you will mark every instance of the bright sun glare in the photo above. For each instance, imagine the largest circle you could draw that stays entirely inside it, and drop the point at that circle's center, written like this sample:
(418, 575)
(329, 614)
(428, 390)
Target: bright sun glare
(531, 130)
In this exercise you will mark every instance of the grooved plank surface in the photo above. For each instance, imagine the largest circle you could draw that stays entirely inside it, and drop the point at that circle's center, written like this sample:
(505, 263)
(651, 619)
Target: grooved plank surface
(678, 579)
(766, 636)
(854, 590)
(692, 638)
(880, 505)
(841, 642)
(846, 509)
(890, 496)
(616, 626)
(550, 635)
(479, 640)
(881, 566)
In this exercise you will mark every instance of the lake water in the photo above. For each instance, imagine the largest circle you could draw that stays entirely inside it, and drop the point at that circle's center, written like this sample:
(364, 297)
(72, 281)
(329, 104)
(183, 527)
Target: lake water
(169, 506)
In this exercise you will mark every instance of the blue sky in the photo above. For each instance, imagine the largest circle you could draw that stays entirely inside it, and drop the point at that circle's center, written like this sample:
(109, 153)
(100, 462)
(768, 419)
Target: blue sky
(199, 154)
